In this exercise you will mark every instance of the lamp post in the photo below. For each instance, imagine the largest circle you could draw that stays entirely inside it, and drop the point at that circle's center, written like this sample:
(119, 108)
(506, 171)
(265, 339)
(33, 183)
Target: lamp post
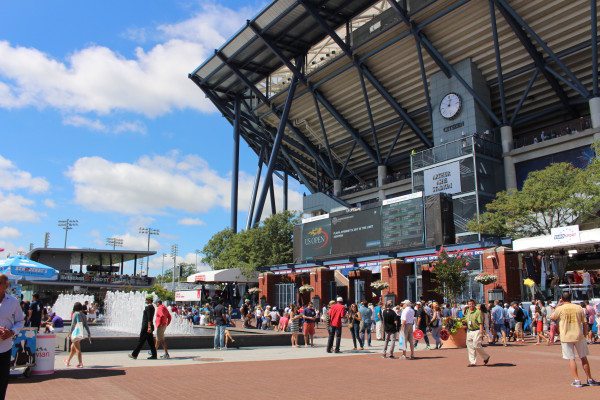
(162, 271)
(174, 251)
(197, 252)
(149, 232)
(114, 242)
(67, 225)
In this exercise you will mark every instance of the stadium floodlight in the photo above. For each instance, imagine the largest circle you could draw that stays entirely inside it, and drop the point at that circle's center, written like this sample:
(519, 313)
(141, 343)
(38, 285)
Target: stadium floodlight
(67, 225)
(174, 252)
(114, 242)
(148, 231)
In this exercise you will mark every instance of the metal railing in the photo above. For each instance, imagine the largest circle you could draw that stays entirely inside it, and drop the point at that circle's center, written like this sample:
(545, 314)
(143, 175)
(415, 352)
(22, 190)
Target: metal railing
(550, 132)
(454, 149)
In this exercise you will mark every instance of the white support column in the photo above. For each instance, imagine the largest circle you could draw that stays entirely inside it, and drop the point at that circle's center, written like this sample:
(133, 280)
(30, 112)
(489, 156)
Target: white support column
(381, 174)
(510, 175)
(594, 103)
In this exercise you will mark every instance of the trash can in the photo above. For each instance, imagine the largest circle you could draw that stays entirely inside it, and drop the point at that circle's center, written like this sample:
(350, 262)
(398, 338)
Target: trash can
(44, 355)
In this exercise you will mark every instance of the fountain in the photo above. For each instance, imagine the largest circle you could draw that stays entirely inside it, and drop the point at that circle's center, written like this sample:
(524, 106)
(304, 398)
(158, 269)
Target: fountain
(123, 313)
(63, 307)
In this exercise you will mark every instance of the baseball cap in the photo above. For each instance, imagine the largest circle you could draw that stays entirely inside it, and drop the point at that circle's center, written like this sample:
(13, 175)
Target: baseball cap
(340, 300)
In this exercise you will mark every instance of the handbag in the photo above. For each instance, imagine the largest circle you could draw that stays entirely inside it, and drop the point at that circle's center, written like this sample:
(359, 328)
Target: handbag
(77, 333)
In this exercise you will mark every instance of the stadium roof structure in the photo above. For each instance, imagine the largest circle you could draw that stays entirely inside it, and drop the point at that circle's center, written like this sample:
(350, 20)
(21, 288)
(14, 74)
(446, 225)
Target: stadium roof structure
(354, 94)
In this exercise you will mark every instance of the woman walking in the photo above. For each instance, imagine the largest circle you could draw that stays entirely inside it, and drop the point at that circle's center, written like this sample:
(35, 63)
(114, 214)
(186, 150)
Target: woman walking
(539, 325)
(294, 324)
(78, 323)
(354, 319)
(436, 324)
(258, 313)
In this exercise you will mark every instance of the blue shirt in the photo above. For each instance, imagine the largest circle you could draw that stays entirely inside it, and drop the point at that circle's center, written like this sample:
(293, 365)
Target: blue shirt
(366, 314)
(377, 312)
(11, 317)
(498, 315)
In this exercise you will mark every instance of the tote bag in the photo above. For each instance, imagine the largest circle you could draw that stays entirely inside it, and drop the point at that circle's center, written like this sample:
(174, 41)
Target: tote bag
(77, 333)
(401, 344)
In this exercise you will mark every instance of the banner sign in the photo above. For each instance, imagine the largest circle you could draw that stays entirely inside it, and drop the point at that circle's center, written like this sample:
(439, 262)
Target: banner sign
(442, 179)
(188, 295)
(565, 235)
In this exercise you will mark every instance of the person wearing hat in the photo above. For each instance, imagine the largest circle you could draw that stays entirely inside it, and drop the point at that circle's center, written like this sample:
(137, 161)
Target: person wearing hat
(146, 333)
(336, 313)
(407, 320)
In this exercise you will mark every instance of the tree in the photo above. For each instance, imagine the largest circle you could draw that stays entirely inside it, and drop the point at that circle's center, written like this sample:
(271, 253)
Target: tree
(450, 277)
(558, 195)
(216, 245)
(183, 270)
(268, 244)
(162, 293)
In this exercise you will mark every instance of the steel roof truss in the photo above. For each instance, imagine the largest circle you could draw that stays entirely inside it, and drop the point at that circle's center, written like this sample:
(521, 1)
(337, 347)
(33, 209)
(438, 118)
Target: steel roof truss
(370, 115)
(387, 157)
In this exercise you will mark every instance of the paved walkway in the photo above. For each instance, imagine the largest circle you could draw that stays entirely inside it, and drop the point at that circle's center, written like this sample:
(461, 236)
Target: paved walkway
(528, 371)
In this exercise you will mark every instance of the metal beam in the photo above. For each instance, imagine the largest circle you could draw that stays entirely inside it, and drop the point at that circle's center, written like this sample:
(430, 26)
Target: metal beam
(367, 73)
(593, 12)
(425, 84)
(524, 97)
(503, 5)
(449, 70)
(498, 62)
(324, 132)
(319, 96)
(387, 157)
(537, 58)
(285, 192)
(254, 190)
(236, 166)
(347, 160)
(272, 196)
(275, 150)
(363, 86)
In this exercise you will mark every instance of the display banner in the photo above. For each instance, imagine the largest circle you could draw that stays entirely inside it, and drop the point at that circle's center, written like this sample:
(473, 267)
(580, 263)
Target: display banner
(316, 239)
(188, 295)
(356, 231)
(442, 179)
(565, 235)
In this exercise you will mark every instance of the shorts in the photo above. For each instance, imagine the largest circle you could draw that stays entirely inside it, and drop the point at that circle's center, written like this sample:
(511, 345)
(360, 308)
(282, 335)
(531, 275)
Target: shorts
(539, 327)
(568, 349)
(518, 327)
(160, 332)
(309, 328)
(500, 328)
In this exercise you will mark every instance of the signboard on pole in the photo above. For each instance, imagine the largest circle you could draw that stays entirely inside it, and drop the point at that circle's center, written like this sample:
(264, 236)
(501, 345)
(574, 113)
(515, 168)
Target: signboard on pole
(442, 179)
(565, 235)
(188, 295)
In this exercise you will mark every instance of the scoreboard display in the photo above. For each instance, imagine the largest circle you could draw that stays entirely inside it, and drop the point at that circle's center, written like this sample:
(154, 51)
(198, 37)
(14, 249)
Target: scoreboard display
(403, 222)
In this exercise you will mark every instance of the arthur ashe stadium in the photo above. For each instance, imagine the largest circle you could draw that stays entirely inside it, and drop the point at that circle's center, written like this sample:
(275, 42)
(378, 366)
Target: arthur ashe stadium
(402, 119)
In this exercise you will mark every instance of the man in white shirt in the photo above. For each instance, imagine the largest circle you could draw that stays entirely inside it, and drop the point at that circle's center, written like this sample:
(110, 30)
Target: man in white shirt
(11, 322)
(407, 320)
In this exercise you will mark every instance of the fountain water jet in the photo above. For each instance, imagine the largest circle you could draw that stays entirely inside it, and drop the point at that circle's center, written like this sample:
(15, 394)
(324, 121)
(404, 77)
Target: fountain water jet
(63, 307)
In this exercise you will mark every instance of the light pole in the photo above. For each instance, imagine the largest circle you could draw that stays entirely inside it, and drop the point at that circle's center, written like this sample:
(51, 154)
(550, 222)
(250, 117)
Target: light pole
(114, 242)
(174, 251)
(67, 225)
(162, 271)
(149, 232)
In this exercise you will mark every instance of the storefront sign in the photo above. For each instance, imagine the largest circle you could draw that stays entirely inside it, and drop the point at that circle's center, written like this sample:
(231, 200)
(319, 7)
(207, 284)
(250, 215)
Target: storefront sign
(442, 179)
(188, 295)
(565, 235)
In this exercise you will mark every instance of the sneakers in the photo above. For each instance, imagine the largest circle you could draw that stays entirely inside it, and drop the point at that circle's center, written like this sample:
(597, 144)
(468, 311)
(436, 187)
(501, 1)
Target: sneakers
(576, 384)
(384, 356)
(592, 382)
(165, 356)
(131, 356)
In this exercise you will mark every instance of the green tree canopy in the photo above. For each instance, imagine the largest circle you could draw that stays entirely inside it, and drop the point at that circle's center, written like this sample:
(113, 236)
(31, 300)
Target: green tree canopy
(558, 195)
(450, 275)
(186, 270)
(268, 244)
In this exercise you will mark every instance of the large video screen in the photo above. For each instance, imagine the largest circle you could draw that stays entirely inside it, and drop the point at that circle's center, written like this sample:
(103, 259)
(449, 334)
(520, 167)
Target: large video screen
(316, 239)
(356, 231)
(403, 222)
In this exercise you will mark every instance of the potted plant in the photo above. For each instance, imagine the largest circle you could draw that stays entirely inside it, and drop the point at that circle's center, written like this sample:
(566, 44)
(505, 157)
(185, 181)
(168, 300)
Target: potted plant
(254, 291)
(485, 278)
(450, 279)
(379, 285)
(306, 289)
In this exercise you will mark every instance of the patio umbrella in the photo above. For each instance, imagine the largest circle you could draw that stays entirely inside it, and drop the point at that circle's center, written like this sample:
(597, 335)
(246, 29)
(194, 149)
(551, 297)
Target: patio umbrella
(21, 267)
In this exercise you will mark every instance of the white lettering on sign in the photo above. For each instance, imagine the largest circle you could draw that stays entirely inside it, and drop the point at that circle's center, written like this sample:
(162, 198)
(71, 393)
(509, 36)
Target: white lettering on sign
(442, 179)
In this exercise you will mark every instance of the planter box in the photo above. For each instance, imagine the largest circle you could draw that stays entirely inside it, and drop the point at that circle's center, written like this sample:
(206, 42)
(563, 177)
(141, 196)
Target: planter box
(457, 340)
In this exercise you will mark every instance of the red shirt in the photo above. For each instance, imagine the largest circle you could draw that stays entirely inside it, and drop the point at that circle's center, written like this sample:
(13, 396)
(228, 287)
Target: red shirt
(336, 313)
(163, 316)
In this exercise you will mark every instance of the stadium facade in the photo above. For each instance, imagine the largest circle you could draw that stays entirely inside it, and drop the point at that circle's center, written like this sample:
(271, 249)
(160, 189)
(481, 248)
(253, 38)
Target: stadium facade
(402, 119)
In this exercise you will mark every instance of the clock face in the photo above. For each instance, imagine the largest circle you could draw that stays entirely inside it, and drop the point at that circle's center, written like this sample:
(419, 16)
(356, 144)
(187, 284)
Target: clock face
(450, 105)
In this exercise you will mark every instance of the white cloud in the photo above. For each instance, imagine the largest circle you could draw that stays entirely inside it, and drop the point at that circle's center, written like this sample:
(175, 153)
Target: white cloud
(191, 221)
(7, 232)
(159, 184)
(12, 178)
(138, 242)
(10, 248)
(49, 203)
(156, 262)
(130, 127)
(17, 208)
(97, 79)
(79, 121)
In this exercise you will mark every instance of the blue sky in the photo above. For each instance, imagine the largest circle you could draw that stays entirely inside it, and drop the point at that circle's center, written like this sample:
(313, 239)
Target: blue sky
(99, 122)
